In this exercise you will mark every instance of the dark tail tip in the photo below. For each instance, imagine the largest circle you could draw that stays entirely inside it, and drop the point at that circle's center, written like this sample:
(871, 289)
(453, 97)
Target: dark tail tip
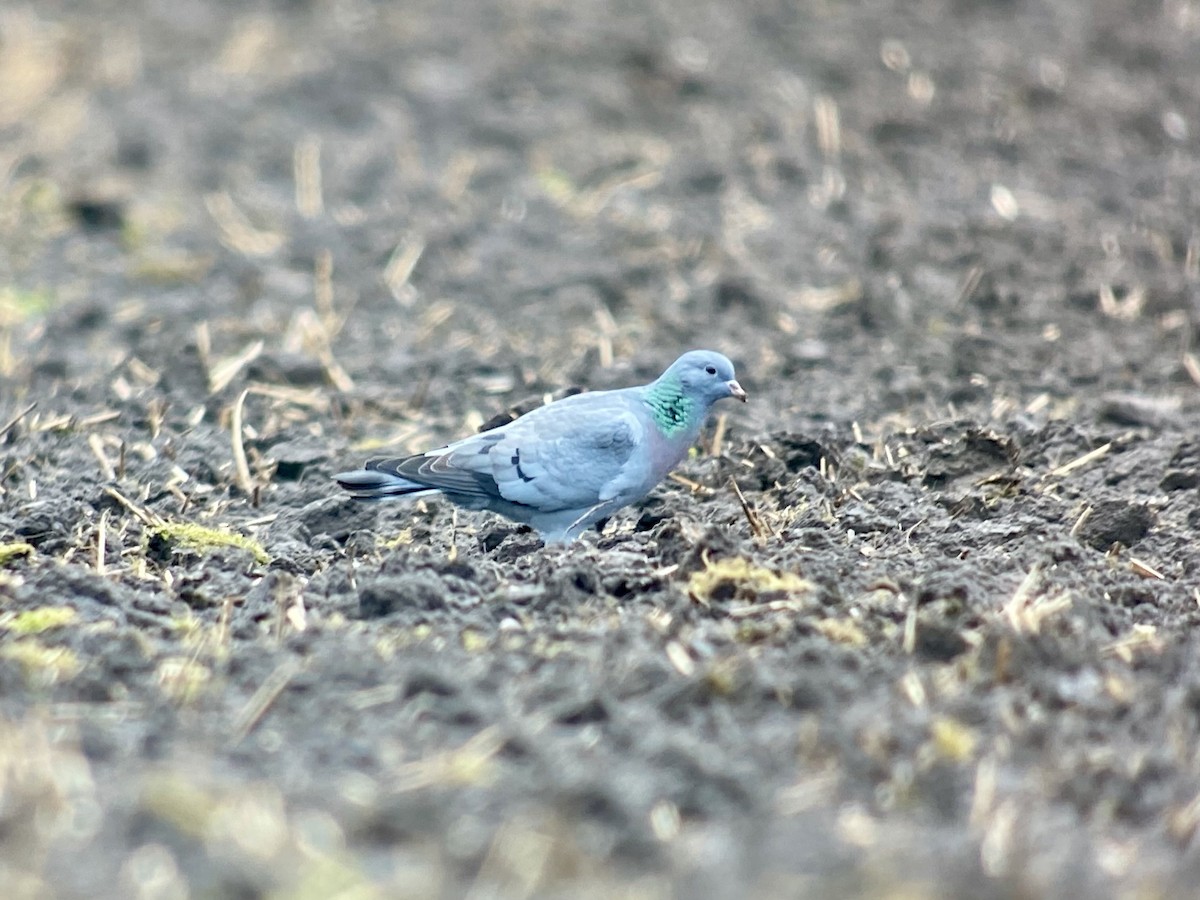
(364, 484)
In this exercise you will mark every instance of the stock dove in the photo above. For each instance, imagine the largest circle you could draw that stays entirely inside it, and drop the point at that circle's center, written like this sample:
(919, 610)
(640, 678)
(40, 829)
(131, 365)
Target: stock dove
(569, 464)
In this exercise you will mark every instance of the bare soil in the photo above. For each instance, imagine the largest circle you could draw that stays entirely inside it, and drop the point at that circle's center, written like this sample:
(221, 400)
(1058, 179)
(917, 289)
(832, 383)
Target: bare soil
(947, 648)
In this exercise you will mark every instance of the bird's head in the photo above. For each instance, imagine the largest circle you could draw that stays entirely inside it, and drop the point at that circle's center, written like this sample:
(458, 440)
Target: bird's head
(706, 376)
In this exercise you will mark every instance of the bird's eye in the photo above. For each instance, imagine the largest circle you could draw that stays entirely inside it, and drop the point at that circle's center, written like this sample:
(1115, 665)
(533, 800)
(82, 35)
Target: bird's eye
(711, 370)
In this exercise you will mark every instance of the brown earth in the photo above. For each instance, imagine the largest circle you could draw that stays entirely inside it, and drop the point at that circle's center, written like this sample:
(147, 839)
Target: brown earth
(952, 246)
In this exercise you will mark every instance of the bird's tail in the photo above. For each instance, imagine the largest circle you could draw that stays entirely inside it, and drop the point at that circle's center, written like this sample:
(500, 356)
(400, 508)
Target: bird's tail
(369, 484)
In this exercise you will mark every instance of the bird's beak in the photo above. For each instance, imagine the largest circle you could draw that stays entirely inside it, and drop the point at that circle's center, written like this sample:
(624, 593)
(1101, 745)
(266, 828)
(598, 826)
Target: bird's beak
(735, 391)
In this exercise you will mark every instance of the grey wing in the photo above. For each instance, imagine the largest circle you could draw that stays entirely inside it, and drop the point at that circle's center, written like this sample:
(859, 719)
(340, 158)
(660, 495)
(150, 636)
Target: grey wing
(569, 455)
(574, 455)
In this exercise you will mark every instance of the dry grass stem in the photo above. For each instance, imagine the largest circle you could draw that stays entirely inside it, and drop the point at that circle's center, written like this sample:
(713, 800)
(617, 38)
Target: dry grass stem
(204, 348)
(323, 292)
(310, 398)
(266, 695)
(909, 641)
(680, 659)
(827, 469)
(1145, 571)
(970, 285)
(466, 765)
(297, 615)
(829, 127)
(913, 690)
(519, 862)
(1142, 637)
(52, 423)
(995, 848)
(306, 170)
(101, 542)
(221, 375)
(96, 445)
(318, 340)
(1079, 462)
(807, 793)
(606, 330)
(826, 299)
(12, 423)
(142, 372)
(1191, 365)
(143, 515)
(236, 231)
(97, 418)
(1037, 404)
(983, 797)
(1191, 259)
(588, 204)
(372, 697)
(1126, 309)
(718, 438)
(771, 606)
(1183, 822)
(456, 177)
(1026, 614)
(241, 468)
(758, 527)
(694, 486)
(400, 267)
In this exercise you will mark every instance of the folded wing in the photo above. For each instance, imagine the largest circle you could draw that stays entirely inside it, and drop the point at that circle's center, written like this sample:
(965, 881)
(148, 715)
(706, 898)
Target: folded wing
(579, 452)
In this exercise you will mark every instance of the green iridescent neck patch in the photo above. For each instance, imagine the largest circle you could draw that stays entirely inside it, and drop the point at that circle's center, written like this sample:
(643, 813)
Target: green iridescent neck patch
(673, 410)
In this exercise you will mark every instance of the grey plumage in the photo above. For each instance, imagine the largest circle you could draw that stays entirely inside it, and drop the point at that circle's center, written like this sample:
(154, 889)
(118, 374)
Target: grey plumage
(567, 465)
